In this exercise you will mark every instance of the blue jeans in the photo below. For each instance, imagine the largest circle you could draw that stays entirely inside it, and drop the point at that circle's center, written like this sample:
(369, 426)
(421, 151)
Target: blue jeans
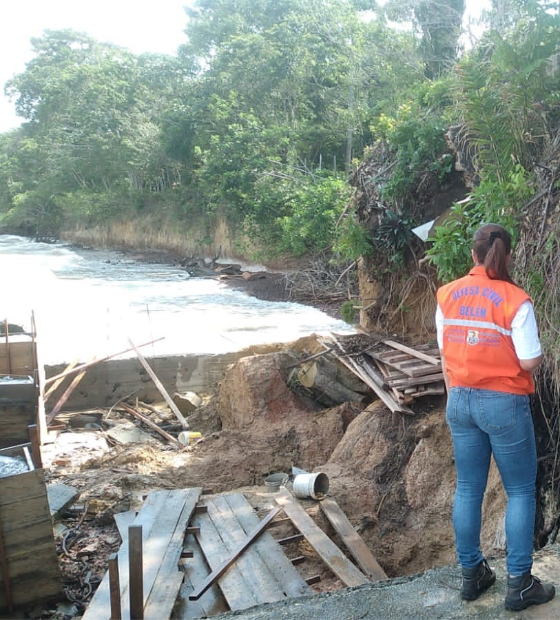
(482, 423)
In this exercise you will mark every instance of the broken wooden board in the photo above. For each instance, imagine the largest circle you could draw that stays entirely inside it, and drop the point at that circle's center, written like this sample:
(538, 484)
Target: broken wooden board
(164, 518)
(60, 497)
(353, 541)
(376, 385)
(340, 565)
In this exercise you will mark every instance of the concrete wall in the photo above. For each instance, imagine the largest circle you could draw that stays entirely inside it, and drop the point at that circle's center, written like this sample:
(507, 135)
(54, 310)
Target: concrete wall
(108, 382)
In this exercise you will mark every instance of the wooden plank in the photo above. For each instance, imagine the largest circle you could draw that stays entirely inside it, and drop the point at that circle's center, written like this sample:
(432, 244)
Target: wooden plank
(35, 445)
(114, 587)
(100, 605)
(159, 386)
(239, 549)
(6, 578)
(401, 398)
(417, 369)
(231, 583)
(323, 545)
(269, 550)
(135, 573)
(29, 546)
(212, 602)
(60, 497)
(386, 398)
(415, 380)
(67, 393)
(57, 383)
(353, 541)
(164, 596)
(161, 599)
(162, 516)
(124, 520)
(413, 352)
(254, 571)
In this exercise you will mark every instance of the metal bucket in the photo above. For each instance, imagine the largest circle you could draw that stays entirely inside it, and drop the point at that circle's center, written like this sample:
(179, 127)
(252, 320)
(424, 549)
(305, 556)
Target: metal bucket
(311, 485)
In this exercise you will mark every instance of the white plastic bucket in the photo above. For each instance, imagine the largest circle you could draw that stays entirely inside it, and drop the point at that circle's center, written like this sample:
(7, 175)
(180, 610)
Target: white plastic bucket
(311, 485)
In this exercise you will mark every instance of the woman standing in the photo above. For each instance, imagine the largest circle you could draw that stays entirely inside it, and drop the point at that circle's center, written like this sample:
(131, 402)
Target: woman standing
(490, 346)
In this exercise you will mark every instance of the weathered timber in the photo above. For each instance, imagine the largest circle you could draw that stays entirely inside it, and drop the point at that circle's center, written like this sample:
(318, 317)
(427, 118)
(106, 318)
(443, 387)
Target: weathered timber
(409, 381)
(384, 396)
(323, 545)
(419, 354)
(30, 551)
(19, 399)
(235, 553)
(237, 595)
(124, 520)
(266, 548)
(195, 571)
(163, 517)
(115, 587)
(21, 358)
(353, 541)
(57, 383)
(60, 403)
(250, 564)
(135, 573)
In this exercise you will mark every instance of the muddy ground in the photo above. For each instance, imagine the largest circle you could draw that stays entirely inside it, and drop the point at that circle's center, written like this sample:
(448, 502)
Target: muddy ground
(392, 474)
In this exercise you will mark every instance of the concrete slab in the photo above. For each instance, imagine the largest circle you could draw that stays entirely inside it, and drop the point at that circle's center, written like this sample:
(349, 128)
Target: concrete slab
(429, 595)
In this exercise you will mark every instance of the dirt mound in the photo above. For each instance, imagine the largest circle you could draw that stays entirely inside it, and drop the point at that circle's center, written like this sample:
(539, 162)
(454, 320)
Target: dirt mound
(394, 476)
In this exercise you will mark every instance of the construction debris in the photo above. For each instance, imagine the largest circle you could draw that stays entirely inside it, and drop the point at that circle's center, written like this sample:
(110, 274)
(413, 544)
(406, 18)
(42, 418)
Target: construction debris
(397, 374)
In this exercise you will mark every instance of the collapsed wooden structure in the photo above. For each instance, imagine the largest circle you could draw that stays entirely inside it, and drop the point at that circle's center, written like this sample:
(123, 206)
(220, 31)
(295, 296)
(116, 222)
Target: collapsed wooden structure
(203, 555)
(396, 373)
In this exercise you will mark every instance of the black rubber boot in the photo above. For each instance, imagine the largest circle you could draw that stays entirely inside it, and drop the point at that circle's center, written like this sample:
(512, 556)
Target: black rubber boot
(476, 581)
(527, 590)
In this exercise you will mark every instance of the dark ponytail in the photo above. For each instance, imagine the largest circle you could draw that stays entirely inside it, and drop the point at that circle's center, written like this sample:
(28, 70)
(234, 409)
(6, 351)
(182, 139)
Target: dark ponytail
(492, 247)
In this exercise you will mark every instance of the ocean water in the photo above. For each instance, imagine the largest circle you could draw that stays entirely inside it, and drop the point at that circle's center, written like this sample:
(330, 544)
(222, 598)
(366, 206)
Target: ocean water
(90, 303)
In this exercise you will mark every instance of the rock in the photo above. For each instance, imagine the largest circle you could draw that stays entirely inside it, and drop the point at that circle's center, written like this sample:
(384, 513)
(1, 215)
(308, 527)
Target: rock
(187, 402)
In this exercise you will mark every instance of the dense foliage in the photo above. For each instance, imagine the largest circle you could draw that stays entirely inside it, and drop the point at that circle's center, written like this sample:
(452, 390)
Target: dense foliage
(270, 106)
(315, 128)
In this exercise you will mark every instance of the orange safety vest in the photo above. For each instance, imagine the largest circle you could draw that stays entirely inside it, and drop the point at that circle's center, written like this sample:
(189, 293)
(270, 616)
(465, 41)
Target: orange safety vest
(477, 344)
